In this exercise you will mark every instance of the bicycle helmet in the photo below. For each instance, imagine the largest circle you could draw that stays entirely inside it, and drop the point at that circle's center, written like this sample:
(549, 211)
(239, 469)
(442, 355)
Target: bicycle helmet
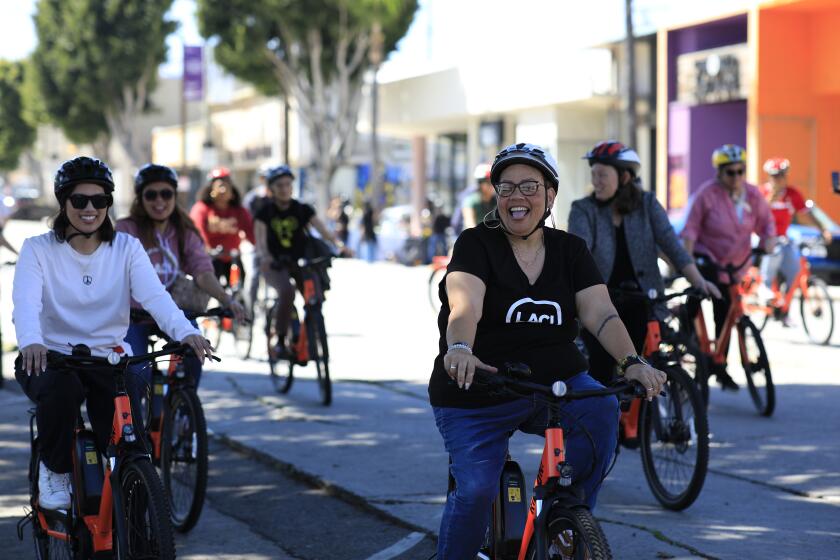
(776, 166)
(482, 172)
(728, 154)
(615, 154)
(152, 173)
(273, 173)
(82, 169)
(528, 154)
(218, 173)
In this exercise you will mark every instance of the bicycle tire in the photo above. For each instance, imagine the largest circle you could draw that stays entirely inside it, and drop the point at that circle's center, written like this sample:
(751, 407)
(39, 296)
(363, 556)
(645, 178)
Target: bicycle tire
(434, 280)
(691, 359)
(243, 331)
(674, 442)
(584, 528)
(756, 367)
(281, 370)
(145, 513)
(812, 306)
(319, 352)
(183, 458)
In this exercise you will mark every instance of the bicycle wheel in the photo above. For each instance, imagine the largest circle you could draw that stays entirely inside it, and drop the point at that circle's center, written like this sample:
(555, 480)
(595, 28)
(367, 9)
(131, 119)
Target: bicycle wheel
(674, 442)
(756, 367)
(817, 311)
(145, 514)
(434, 280)
(319, 352)
(243, 331)
(683, 341)
(573, 533)
(280, 369)
(183, 458)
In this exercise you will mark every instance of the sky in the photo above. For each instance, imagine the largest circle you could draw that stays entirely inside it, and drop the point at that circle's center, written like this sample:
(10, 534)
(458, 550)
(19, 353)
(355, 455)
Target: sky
(444, 33)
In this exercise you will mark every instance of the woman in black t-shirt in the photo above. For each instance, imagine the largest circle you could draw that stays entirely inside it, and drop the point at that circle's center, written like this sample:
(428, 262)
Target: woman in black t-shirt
(280, 229)
(513, 292)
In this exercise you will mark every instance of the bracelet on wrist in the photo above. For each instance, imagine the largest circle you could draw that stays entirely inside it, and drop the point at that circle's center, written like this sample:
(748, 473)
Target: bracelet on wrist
(460, 346)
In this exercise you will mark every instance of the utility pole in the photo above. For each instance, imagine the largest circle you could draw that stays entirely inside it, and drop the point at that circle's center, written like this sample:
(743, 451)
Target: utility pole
(630, 47)
(375, 56)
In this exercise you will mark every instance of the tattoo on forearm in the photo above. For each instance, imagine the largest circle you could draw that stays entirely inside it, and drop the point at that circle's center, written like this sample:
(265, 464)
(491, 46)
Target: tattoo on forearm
(604, 324)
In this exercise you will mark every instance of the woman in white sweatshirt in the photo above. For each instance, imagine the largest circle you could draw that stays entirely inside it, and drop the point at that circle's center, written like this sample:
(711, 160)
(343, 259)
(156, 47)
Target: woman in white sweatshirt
(73, 286)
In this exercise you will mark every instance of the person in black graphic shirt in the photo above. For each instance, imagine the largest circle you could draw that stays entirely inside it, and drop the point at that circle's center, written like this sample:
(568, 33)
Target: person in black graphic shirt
(513, 292)
(281, 230)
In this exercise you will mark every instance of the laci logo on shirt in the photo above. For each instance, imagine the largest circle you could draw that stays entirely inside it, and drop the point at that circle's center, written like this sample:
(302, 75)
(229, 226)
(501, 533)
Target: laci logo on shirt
(526, 310)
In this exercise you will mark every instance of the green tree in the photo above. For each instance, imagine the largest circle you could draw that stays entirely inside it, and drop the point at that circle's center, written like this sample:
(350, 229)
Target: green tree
(314, 52)
(16, 134)
(96, 65)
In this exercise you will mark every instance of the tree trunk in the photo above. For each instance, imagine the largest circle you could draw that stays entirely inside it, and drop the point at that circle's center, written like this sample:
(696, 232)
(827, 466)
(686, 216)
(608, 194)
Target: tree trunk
(630, 47)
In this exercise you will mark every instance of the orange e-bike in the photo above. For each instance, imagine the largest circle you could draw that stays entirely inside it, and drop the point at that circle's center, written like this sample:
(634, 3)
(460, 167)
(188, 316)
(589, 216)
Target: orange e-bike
(118, 507)
(557, 522)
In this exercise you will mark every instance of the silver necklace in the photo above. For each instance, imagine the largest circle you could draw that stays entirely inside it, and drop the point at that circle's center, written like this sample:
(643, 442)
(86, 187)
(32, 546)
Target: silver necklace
(521, 259)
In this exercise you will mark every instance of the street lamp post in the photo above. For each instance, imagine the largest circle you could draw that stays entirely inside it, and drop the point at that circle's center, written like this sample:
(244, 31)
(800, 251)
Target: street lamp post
(375, 55)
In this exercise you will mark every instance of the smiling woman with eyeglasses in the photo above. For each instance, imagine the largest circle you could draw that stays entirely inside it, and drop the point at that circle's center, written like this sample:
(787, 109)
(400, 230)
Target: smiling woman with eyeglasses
(722, 216)
(73, 285)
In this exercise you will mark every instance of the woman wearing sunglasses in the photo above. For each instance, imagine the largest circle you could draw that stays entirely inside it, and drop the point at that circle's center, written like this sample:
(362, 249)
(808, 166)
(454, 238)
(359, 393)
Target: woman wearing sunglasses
(174, 247)
(222, 221)
(722, 216)
(625, 228)
(73, 286)
(514, 291)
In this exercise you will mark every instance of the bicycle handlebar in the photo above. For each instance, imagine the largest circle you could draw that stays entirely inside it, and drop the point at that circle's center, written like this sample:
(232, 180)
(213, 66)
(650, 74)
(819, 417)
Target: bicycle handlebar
(115, 361)
(558, 391)
(142, 315)
(652, 296)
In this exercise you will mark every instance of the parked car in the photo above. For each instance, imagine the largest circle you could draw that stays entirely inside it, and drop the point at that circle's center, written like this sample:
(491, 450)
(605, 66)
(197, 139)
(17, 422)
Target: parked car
(823, 258)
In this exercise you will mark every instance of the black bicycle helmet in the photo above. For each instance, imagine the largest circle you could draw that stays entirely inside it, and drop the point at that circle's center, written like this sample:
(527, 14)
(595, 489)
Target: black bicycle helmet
(529, 154)
(616, 154)
(273, 173)
(82, 169)
(152, 173)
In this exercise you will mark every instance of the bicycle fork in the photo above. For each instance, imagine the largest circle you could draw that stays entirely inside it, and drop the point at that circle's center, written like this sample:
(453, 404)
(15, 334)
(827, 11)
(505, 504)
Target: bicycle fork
(553, 471)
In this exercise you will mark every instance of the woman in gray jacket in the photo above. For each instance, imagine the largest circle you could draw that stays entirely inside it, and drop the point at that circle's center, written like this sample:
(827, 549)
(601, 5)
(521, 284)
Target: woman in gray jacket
(625, 228)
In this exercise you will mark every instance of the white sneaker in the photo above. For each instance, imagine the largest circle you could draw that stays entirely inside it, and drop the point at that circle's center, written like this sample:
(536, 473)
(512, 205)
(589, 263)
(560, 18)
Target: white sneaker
(53, 489)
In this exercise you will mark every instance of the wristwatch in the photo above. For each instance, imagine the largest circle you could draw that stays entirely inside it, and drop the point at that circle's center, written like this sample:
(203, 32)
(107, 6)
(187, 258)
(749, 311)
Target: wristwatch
(628, 361)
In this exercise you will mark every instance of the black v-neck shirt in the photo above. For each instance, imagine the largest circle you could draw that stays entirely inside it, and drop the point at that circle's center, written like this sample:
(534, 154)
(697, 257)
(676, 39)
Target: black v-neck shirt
(532, 324)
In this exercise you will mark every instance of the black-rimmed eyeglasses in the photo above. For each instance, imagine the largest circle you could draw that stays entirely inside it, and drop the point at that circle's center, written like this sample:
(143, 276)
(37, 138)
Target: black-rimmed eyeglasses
(527, 188)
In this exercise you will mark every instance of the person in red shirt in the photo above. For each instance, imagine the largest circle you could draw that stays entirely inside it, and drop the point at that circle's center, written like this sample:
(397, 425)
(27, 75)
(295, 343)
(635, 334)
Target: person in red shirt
(785, 202)
(222, 221)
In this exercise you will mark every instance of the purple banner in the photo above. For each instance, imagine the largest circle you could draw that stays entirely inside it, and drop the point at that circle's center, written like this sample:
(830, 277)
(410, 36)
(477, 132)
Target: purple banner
(193, 74)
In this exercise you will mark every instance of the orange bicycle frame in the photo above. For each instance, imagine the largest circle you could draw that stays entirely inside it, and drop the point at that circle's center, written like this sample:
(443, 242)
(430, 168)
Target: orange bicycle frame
(721, 344)
(554, 453)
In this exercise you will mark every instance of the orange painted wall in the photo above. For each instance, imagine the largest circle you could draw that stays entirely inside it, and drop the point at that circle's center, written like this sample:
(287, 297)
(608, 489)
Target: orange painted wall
(799, 95)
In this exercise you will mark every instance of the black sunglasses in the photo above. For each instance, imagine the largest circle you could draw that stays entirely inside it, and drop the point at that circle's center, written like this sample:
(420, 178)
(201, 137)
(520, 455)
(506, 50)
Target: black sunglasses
(150, 195)
(735, 172)
(99, 201)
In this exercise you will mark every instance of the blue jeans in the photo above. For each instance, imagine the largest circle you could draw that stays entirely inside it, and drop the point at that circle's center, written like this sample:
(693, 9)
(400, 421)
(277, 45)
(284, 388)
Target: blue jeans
(368, 250)
(140, 375)
(477, 442)
(785, 260)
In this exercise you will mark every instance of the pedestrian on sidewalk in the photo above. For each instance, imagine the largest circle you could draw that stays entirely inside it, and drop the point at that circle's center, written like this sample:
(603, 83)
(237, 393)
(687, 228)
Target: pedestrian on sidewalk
(368, 244)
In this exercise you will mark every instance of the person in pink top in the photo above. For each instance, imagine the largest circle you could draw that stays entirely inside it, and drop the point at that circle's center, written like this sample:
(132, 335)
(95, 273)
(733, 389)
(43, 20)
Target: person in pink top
(222, 221)
(174, 246)
(786, 202)
(722, 216)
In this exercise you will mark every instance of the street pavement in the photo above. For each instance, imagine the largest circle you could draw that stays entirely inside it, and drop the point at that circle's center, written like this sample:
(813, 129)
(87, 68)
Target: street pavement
(773, 489)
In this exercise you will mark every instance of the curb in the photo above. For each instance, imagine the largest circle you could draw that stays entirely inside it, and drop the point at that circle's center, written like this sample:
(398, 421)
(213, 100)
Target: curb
(317, 482)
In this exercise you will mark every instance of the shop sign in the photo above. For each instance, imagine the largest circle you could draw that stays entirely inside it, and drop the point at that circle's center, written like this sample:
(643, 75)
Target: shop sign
(714, 75)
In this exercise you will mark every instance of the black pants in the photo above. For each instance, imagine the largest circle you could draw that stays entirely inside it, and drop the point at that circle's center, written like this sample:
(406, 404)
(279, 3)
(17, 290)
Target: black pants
(58, 394)
(601, 364)
(221, 267)
(720, 307)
